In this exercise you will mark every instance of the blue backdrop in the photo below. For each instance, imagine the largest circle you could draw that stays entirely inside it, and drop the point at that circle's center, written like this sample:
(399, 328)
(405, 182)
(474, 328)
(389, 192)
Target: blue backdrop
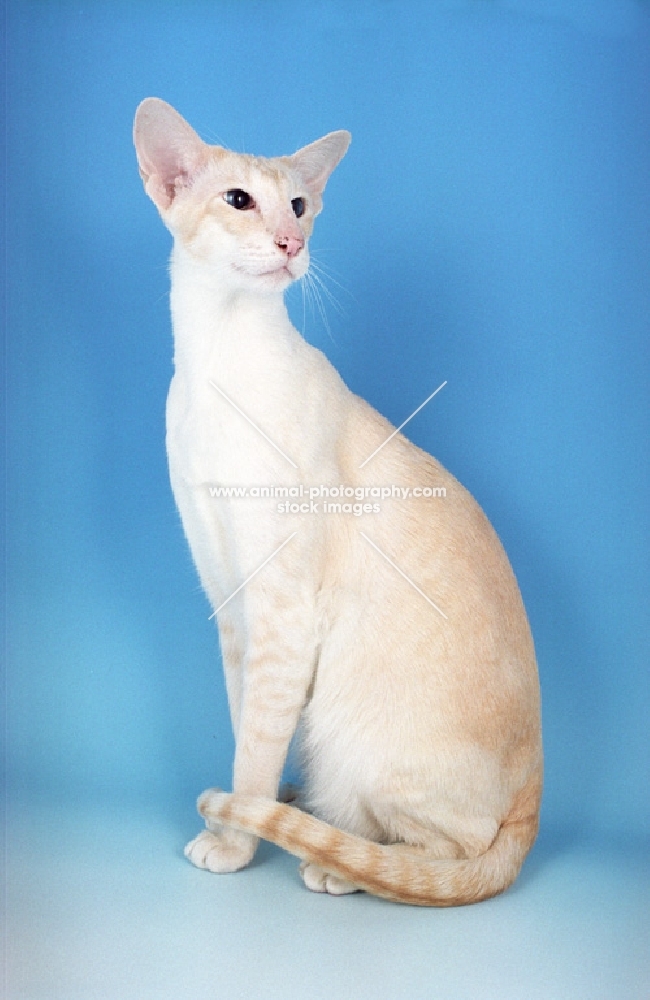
(490, 226)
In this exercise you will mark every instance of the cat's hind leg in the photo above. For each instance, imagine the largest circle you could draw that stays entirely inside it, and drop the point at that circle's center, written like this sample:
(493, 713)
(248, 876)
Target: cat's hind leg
(387, 823)
(318, 880)
(351, 814)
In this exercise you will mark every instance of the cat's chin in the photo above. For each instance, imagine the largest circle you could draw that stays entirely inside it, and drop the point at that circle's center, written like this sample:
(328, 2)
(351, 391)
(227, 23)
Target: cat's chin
(277, 278)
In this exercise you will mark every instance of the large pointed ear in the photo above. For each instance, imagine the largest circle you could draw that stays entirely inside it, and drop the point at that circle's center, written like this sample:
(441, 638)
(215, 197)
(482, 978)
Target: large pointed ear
(316, 162)
(169, 151)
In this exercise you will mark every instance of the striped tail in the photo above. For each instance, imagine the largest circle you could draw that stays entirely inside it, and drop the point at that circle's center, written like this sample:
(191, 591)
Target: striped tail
(389, 871)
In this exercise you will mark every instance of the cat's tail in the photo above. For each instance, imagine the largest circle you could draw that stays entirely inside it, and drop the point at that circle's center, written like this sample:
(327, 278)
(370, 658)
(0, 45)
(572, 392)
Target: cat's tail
(389, 871)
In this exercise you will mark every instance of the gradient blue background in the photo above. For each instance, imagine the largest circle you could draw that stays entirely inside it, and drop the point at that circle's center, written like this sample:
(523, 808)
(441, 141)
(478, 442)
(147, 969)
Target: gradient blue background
(490, 226)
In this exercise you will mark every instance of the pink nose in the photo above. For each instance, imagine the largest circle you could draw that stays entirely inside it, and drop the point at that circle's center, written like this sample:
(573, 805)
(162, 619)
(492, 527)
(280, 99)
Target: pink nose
(290, 244)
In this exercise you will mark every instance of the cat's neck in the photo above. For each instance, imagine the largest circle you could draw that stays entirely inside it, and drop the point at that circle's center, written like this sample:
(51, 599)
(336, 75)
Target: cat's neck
(217, 327)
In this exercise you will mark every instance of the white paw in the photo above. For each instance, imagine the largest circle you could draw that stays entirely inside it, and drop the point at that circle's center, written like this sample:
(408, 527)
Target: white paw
(225, 851)
(320, 881)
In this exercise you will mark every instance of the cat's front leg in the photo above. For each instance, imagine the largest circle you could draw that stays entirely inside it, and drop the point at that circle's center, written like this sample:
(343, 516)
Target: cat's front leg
(278, 669)
(221, 850)
(231, 640)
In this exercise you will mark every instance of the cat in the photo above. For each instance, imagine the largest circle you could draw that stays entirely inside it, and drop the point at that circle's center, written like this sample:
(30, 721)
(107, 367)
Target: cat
(392, 637)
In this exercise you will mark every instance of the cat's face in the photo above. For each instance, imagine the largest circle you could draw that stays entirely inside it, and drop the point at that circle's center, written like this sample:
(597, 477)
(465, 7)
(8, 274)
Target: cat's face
(247, 218)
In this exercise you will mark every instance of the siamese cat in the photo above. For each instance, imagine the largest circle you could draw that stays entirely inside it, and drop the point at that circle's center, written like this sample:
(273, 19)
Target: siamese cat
(395, 642)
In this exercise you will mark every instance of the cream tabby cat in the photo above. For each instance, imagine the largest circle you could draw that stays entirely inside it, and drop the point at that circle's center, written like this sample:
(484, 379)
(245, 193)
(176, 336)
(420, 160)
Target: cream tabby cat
(396, 641)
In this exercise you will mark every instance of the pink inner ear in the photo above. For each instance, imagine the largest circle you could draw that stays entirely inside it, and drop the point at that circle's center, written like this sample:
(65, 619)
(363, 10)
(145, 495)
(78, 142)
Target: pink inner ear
(167, 171)
(169, 151)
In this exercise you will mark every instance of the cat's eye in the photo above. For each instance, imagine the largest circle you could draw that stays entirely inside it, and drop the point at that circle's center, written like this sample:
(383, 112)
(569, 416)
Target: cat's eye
(238, 199)
(298, 206)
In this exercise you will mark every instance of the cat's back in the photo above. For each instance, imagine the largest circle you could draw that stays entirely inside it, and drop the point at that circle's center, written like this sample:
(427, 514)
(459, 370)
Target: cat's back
(428, 552)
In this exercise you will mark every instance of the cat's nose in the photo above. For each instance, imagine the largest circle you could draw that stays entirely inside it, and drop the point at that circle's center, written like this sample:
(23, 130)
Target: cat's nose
(292, 245)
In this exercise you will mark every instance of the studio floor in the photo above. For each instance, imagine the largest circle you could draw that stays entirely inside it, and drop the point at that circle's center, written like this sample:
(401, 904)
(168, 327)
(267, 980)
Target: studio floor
(103, 906)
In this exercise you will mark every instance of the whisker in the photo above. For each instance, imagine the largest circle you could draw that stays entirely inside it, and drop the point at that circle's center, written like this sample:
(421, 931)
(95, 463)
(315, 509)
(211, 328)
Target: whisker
(311, 284)
(321, 285)
(329, 274)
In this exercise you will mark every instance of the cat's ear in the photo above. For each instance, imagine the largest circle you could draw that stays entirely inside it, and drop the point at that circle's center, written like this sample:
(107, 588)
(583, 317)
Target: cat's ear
(316, 162)
(169, 151)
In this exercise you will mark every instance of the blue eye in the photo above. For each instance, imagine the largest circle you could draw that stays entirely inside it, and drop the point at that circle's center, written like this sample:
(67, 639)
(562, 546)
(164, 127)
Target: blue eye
(238, 199)
(298, 206)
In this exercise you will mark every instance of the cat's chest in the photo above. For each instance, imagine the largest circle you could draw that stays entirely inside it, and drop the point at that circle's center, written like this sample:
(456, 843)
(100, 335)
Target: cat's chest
(213, 440)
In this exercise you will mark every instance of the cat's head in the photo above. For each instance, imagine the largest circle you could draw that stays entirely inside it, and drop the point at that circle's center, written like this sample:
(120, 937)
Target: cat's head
(248, 217)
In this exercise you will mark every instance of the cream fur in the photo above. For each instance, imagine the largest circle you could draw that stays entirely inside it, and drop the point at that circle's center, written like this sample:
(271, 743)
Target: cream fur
(420, 734)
